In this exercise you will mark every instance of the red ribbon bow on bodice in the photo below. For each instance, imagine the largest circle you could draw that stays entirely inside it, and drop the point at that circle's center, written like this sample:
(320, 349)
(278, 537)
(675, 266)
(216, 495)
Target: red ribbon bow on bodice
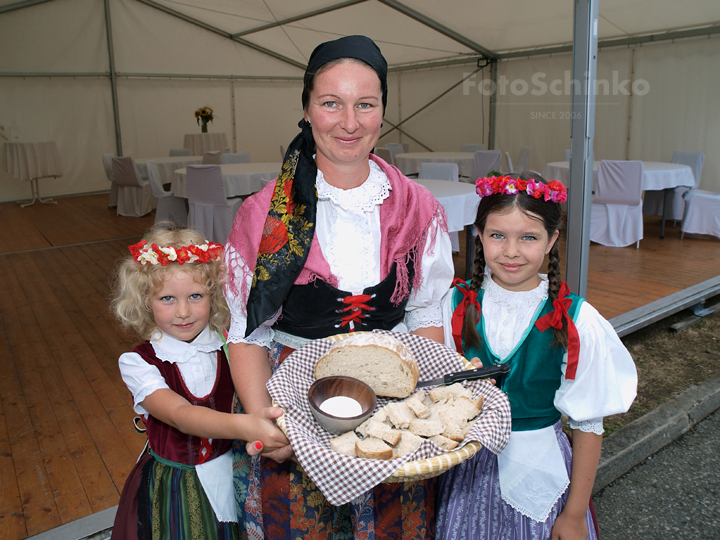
(354, 310)
(469, 297)
(554, 320)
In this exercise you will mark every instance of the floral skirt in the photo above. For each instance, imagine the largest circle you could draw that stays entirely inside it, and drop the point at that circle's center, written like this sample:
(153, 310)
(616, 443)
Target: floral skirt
(470, 506)
(162, 502)
(279, 501)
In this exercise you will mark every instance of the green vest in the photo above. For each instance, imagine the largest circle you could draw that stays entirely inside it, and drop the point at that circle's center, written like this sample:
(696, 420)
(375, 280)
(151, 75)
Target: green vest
(535, 363)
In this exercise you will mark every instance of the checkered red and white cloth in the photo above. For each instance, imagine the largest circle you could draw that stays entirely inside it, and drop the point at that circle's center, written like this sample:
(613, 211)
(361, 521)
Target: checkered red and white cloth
(342, 478)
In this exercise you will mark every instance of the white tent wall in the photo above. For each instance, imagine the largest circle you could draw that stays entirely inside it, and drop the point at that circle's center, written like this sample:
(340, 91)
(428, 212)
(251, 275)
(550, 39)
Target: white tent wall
(454, 119)
(681, 111)
(259, 115)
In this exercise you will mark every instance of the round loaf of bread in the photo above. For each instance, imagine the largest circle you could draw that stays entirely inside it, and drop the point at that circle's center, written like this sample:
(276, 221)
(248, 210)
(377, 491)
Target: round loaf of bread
(381, 361)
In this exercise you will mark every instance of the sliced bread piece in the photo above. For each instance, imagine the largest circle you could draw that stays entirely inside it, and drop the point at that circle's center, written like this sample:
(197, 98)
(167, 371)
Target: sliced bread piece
(345, 444)
(400, 414)
(379, 360)
(426, 428)
(454, 390)
(444, 442)
(382, 431)
(373, 448)
(417, 406)
(409, 442)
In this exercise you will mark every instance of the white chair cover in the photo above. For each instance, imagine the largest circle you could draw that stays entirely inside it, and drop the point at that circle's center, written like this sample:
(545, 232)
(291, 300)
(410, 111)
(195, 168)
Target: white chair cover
(384, 154)
(169, 207)
(180, 152)
(239, 157)
(395, 149)
(510, 169)
(523, 161)
(442, 171)
(212, 157)
(135, 198)
(616, 218)
(702, 213)
(472, 147)
(485, 160)
(108, 165)
(653, 202)
(211, 213)
(567, 154)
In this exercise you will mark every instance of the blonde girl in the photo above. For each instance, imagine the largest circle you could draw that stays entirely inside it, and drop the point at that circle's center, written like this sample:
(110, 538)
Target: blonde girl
(169, 292)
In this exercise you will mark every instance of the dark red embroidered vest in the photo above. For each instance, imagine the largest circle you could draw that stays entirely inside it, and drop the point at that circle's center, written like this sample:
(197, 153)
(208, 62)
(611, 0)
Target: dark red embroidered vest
(171, 443)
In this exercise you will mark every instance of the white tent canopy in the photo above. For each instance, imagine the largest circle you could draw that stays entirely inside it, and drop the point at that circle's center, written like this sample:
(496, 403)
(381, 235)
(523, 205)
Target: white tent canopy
(657, 71)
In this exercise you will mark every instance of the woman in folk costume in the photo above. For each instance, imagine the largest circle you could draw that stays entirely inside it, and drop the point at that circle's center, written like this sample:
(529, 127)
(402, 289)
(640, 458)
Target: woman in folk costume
(565, 360)
(340, 242)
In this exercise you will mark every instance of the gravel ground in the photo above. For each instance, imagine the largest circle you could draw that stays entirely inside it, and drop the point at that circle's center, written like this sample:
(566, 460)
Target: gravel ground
(673, 494)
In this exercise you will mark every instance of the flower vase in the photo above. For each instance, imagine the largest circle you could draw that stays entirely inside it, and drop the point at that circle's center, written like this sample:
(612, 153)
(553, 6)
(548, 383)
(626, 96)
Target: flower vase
(204, 127)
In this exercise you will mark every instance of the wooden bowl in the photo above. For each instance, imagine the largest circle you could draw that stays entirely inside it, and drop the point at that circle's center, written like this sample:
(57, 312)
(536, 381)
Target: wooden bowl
(339, 385)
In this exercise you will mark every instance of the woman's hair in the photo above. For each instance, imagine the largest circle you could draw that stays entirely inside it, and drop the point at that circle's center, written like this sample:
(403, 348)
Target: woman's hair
(309, 79)
(134, 284)
(550, 214)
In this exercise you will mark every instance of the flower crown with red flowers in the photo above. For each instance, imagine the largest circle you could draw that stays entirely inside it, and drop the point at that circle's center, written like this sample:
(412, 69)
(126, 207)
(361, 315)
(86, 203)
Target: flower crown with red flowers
(153, 254)
(553, 191)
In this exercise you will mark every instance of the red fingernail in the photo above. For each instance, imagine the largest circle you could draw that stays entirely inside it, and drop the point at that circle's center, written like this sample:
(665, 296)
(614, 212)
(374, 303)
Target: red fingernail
(259, 445)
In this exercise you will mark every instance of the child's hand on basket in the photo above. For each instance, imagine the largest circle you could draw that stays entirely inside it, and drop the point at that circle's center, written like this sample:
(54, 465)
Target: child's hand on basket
(478, 364)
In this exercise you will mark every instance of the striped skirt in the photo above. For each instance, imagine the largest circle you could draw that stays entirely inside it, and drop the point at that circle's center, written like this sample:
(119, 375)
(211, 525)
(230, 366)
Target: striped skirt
(164, 502)
(470, 506)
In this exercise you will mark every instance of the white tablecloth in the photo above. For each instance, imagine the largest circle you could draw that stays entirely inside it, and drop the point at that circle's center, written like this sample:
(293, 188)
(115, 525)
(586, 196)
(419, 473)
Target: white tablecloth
(409, 163)
(200, 143)
(167, 166)
(459, 200)
(656, 176)
(240, 178)
(30, 160)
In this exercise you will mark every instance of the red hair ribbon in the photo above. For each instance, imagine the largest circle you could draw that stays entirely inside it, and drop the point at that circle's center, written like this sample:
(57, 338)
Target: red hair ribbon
(554, 320)
(469, 297)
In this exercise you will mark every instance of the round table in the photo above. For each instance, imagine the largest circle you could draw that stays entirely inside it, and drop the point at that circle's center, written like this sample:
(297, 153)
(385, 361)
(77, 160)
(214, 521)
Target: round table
(166, 165)
(33, 160)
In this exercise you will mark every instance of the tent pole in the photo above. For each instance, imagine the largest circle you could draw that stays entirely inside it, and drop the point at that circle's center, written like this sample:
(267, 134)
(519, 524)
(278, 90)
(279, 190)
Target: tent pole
(113, 79)
(493, 105)
(582, 131)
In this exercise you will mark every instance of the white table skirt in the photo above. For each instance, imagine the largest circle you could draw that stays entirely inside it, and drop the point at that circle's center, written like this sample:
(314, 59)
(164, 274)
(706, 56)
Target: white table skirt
(31, 160)
(166, 165)
(240, 178)
(200, 143)
(409, 163)
(656, 176)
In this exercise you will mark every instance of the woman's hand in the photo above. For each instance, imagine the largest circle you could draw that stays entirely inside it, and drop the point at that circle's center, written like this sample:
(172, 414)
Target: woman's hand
(260, 426)
(570, 527)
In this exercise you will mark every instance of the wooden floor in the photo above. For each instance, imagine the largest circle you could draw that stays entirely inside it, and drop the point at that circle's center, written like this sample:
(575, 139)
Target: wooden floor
(66, 438)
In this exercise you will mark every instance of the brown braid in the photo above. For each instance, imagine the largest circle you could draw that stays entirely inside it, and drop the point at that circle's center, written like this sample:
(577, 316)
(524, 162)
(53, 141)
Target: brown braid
(554, 280)
(469, 332)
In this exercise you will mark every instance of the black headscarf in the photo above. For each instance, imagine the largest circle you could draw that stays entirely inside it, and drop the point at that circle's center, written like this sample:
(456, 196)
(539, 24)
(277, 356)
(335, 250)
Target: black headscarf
(290, 222)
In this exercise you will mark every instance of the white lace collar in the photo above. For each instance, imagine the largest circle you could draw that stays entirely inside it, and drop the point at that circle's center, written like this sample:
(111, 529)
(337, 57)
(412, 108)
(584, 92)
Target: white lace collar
(515, 299)
(362, 198)
(175, 351)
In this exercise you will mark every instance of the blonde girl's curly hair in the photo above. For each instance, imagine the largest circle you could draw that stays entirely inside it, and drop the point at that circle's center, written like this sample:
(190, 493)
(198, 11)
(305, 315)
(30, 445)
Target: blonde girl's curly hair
(134, 284)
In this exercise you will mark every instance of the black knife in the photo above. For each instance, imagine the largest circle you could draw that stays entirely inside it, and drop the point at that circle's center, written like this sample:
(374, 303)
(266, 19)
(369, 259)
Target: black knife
(469, 375)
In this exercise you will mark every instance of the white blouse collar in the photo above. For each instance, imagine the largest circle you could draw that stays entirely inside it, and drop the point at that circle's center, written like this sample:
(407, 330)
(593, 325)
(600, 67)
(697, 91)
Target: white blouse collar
(515, 299)
(169, 349)
(362, 198)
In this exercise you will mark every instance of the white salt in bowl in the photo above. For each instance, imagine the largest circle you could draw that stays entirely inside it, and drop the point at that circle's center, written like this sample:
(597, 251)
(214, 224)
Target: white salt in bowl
(335, 419)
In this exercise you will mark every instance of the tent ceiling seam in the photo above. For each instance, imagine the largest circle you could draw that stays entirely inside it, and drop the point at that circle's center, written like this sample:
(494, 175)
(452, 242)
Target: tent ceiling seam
(22, 5)
(299, 17)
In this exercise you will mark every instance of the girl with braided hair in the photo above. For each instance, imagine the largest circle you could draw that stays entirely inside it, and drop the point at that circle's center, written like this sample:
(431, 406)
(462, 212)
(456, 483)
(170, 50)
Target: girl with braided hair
(565, 360)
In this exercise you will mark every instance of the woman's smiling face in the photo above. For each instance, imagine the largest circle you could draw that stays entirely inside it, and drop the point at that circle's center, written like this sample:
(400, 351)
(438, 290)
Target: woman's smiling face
(345, 111)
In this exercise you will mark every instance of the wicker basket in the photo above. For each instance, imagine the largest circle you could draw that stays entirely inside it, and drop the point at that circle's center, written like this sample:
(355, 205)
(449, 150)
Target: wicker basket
(413, 471)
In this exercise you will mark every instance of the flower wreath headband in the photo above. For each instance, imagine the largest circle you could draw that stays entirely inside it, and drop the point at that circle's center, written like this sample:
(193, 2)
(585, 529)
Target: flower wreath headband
(553, 191)
(153, 254)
